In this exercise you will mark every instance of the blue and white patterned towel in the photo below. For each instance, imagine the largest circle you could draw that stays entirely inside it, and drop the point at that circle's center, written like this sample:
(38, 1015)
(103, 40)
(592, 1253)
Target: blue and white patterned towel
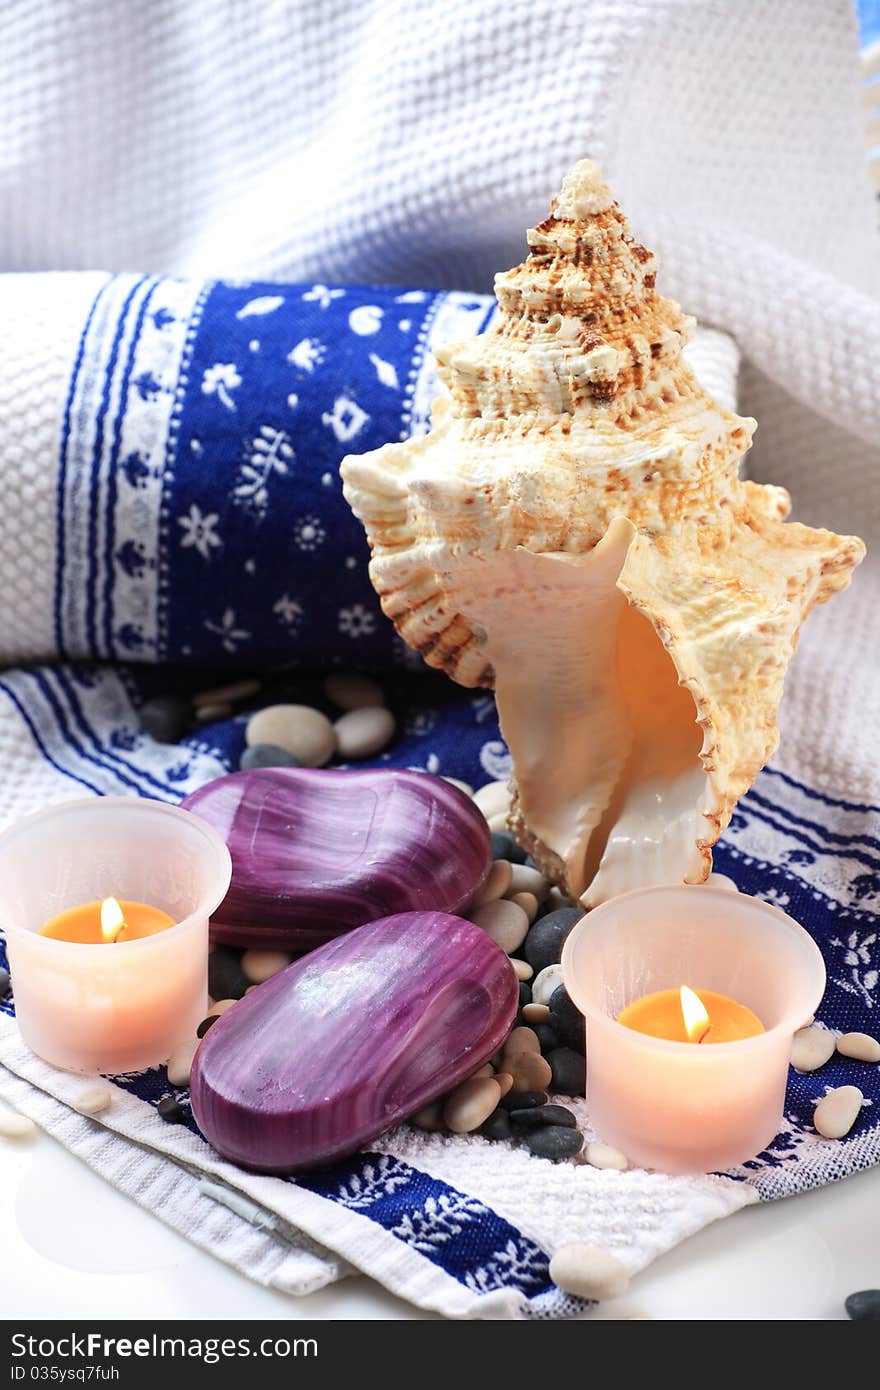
(177, 499)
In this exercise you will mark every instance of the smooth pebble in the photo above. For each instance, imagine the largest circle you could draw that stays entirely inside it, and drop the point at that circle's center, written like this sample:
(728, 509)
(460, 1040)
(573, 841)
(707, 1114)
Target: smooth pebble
(587, 1271)
(505, 1081)
(227, 694)
(493, 799)
(179, 1064)
(226, 980)
(545, 982)
(258, 966)
(553, 1141)
(429, 1118)
(811, 1048)
(485, 1070)
(4, 981)
(546, 1037)
(363, 732)
(522, 969)
(504, 846)
(522, 1038)
(165, 718)
(213, 714)
(470, 1104)
(462, 786)
(604, 1156)
(15, 1126)
(504, 922)
(860, 1046)
(528, 902)
(530, 1071)
(533, 1115)
(170, 1110)
(497, 882)
(568, 1071)
(838, 1111)
(526, 880)
(721, 881)
(93, 1099)
(864, 1306)
(497, 822)
(266, 755)
(556, 898)
(219, 1006)
(301, 730)
(350, 690)
(536, 1013)
(497, 1126)
(547, 937)
(567, 1020)
(207, 1022)
(523, 1100)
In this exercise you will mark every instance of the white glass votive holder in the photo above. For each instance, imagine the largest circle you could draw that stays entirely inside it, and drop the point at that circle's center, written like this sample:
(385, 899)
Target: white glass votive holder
(123, 1006)
(689, 1107)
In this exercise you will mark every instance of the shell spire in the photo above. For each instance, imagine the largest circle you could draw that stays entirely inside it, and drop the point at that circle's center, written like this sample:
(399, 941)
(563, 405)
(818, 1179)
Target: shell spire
(574, 532)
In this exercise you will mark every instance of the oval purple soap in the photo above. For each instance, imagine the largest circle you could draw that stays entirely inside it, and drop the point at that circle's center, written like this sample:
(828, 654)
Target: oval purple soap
(316, 852)
(350, 1040)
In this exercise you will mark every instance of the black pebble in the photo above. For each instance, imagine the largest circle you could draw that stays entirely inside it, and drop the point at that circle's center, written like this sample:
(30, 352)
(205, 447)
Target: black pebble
(166, 718)
(523, 1100)
(547, 1038)
(266, 755)
(525, 994)
(504, 846)
(554, 1141)
(226, 979)
(497, 1126)
(4, 981)
(567, 1020)
(864, 1306)
(171, 1110)
(543, 945)
(569, 1071)
(544, 1115)
(205, 1024)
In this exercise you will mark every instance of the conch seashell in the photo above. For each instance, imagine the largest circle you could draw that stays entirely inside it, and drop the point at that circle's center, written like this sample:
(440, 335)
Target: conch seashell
(574, 532)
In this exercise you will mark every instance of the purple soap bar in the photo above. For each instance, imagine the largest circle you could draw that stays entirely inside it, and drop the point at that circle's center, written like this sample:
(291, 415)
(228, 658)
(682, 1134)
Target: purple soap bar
(351, 1039)
(315, 853)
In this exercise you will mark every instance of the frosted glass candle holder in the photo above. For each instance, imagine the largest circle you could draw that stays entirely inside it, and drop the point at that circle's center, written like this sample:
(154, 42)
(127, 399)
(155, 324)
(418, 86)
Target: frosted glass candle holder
(125, 1006)
(688, 1107)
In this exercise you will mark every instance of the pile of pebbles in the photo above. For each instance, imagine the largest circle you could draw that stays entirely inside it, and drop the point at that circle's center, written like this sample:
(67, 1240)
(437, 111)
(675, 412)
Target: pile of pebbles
(283, 733)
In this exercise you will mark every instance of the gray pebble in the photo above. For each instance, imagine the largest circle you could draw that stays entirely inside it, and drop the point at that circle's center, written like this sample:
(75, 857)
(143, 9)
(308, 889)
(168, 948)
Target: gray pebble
(569, 1072)
(266, 755)
(546, 1036)
(524, 1100)
(553, 1141)
(363, 732)
(504, 846)
(567, 1020)
(350, 690)
(546, 939)
(535, 1115)
(299, 729)
(166, 718)
(864, 1306)
(497, 1126)
(4, 981)
(504, 922)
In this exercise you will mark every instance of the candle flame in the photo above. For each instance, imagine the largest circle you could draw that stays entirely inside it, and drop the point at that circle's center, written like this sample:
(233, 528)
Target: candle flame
(112, 919)
(696, 1020)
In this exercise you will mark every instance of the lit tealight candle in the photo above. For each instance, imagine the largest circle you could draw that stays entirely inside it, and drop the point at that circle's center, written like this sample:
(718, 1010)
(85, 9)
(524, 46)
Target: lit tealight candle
(107, 922)
(687, 1015)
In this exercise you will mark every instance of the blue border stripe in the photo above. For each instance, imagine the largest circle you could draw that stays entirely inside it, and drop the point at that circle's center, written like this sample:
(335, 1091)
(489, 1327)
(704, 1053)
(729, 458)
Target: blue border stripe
(790, 831)
(97, 452)
(863, 808)
(62, 466)
(41, 745)
(112, 479)
(753, 796)
(70, 738)
(67, 690)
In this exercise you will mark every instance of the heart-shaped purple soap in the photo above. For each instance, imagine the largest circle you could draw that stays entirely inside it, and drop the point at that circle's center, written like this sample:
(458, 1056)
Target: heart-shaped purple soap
(352, 1039)
(315, 853)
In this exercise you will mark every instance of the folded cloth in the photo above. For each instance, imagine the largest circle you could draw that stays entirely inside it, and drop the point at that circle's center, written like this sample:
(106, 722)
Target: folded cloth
(459, 1225)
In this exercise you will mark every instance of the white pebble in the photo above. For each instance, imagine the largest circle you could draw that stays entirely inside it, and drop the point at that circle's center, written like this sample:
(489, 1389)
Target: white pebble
(528, 880)
(351, 690)
(493, 799)
(588, 1272)
(363, 732)
(227, 694)
(258, 966)
(838, 1111)
(93, 1100)
(528, 902)
(462, 786)
(721, 881)
(470, 1104)
(498, 821)
(15, 1126)
(604, 1156)
(504, 922)
(497, 882)
(536, 1013)
(179, 1064)
(811, 1048)
(545, 982)
(861, 1046)
(304, 732)
(522, 970)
